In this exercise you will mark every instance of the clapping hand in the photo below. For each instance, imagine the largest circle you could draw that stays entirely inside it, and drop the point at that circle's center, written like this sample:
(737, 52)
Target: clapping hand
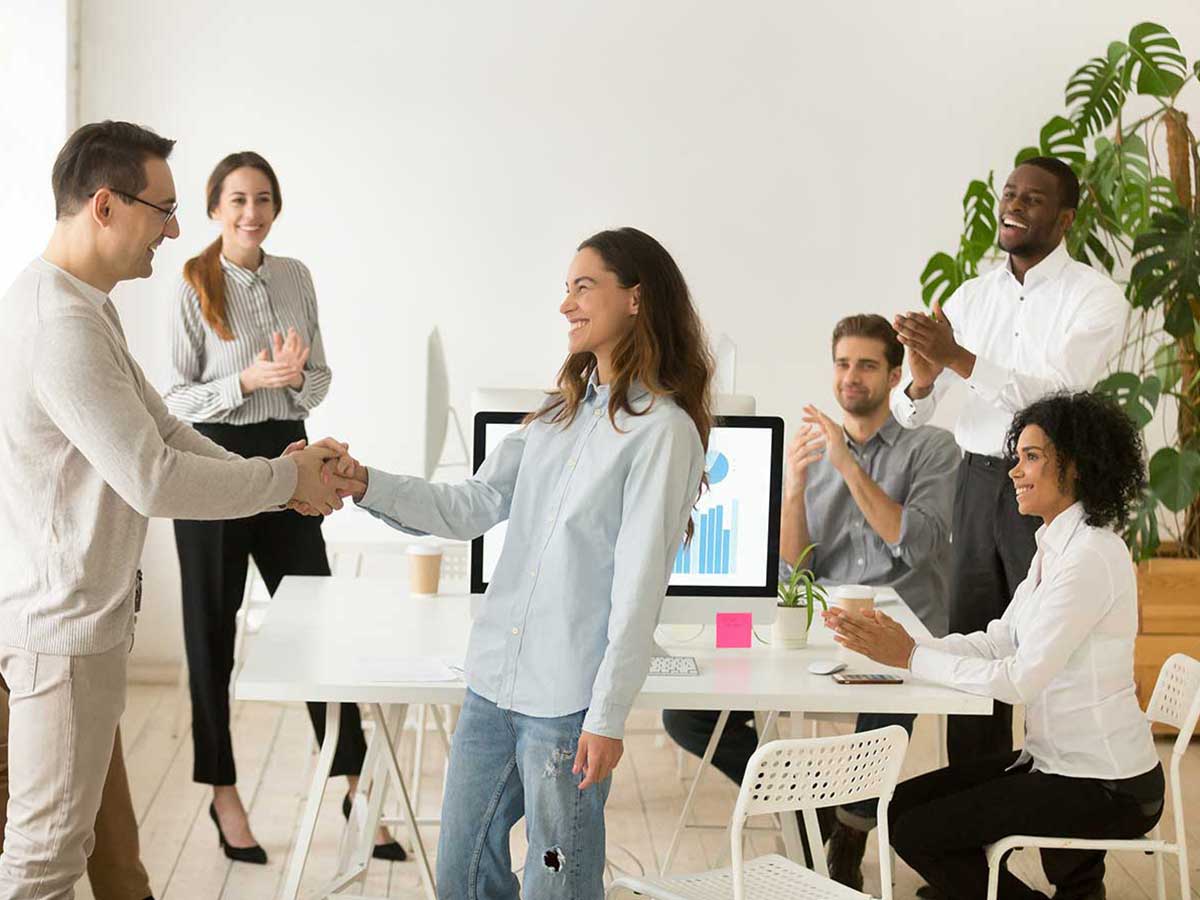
(872, 633)
(931, 340)
(280, 366)
(834, 435)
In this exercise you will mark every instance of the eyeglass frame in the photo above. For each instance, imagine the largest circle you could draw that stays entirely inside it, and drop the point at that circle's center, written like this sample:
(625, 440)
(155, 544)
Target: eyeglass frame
(168, 213)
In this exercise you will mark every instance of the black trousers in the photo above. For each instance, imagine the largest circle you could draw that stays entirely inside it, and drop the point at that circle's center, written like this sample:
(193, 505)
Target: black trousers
(941, 822)
(213, 559)
(990, 556)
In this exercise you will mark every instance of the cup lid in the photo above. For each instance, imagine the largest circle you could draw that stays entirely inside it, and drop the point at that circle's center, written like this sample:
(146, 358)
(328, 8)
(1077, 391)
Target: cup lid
(854, 592)
(425, 549)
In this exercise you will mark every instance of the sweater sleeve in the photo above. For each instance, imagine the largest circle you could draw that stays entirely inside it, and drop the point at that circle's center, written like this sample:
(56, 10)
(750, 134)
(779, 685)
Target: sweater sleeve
(89, 388)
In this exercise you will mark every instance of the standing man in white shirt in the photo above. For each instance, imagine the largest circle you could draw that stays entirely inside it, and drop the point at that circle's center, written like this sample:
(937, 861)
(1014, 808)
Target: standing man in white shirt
(1041, 323)
(89, 452)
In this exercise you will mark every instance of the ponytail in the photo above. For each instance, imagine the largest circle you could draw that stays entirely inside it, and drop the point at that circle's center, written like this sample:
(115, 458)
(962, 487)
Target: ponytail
(207, 278)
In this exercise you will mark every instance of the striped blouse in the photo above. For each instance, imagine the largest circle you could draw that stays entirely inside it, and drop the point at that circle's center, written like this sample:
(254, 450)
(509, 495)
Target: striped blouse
(206, 384)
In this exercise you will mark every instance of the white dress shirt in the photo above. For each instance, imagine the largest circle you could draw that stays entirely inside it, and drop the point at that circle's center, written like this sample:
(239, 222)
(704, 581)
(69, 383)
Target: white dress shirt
(1057, 331)
(1064, 648)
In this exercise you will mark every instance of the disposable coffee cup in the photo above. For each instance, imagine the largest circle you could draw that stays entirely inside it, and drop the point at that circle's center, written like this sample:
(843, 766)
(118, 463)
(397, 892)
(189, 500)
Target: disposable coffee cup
(854, 598)
(424, 568)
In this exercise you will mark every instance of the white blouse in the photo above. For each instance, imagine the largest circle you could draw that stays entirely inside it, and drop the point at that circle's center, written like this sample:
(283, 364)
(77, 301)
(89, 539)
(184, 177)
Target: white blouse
(1064, 649)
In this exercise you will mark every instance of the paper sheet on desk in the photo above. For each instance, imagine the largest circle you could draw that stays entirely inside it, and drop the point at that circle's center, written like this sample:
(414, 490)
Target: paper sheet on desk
(419, 669)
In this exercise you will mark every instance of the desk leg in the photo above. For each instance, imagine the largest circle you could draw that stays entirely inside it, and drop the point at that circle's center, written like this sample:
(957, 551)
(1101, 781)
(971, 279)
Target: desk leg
(316, 792)
(358, 840)
(718, 730)
(393, 764)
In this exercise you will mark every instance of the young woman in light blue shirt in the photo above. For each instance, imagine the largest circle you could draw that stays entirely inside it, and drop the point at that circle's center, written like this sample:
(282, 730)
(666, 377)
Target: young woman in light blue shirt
(597, 488)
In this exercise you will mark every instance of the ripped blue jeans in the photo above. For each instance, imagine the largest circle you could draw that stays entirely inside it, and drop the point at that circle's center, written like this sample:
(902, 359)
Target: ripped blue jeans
(503, 766)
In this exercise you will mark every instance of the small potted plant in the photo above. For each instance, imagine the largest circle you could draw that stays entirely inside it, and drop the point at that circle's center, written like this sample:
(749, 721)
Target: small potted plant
(798, 598)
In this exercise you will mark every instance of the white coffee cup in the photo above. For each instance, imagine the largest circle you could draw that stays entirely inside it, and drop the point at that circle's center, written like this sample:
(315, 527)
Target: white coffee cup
(854, 598)
(424, 568)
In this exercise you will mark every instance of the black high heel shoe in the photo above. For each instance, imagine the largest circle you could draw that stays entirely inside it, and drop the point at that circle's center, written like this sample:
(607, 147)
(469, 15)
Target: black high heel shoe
(391, 851)
(256, 854)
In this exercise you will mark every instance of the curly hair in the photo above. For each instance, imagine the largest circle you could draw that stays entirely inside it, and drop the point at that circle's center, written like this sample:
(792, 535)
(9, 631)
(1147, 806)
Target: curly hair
(1090, 430)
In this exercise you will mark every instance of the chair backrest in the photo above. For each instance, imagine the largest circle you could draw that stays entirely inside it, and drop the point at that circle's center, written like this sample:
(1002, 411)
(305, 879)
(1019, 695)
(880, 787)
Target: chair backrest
(1176, 698)
(808, 774)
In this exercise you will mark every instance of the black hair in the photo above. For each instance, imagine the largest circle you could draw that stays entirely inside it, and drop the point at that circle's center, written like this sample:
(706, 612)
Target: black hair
(104, 154)
(1068, 183)
(1090, 430)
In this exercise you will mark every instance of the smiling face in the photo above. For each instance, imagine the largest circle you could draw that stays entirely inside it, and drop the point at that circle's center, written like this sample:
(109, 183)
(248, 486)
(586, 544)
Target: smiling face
(133, 230)
(1032, 220)
(1036, 476)
(599, 311)
(246, 211)
(862, 379)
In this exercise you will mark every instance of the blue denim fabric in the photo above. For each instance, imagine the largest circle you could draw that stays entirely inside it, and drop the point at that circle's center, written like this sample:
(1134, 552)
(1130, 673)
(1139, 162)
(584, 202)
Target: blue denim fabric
(863, 812)
(505, 765)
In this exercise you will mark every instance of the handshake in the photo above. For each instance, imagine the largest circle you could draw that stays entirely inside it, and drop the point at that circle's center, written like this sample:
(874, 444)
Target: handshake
(325, 474)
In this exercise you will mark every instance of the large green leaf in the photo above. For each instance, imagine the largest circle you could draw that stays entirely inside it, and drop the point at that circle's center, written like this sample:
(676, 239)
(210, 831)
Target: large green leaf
(979, 221)
(1084, 241)
(1154, 60)
(1141, 532)
(1175, 477)
(1138, 397)
(1025, 153)
(940, 278)
(1166, 272)
(1096, 91)
(1162, 194)
(1058, 137)
(1167, 366)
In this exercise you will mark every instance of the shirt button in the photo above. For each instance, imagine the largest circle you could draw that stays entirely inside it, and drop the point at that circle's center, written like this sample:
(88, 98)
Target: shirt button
(599, 413)
(533, 572)
(860, 562)
(516, 631)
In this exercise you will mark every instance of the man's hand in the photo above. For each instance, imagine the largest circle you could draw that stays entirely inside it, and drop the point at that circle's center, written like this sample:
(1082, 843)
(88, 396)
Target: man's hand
(932, 337)
(834, 435)
(291, 352)
(351, 470)
(873, 634)
(806, 447)
(597, 757)
(924, 374)
(315, 494)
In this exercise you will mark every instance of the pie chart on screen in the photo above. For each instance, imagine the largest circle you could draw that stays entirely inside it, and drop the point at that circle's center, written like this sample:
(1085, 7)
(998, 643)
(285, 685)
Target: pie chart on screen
(717, 465)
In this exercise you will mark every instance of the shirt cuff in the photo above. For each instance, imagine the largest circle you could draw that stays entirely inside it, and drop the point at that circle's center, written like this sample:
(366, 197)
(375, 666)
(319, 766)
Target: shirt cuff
(380, 493)
(929, 664)
(606, 720)
(300, 395)
(987, 379)
(229, 389)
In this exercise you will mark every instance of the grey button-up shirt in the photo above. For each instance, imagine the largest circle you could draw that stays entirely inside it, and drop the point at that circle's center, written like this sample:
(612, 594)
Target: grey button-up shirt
(595, 516)
(917, 469)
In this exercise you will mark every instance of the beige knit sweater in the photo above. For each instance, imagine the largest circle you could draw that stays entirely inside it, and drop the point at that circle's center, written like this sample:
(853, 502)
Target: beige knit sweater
(88, 452)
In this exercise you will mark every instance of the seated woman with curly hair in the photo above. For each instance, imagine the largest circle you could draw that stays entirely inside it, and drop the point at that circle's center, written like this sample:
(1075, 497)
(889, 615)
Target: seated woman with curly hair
(1063, 649)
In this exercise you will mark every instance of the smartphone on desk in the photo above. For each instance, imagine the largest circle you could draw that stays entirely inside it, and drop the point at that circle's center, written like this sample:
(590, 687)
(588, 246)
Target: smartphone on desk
(867, 678)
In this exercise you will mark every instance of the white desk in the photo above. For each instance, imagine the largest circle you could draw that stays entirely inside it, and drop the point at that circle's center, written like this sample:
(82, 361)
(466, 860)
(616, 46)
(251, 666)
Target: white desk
(327, 639)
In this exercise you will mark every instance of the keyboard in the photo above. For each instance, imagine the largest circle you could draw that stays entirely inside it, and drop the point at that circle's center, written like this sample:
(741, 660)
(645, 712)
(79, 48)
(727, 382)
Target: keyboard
(673, 665)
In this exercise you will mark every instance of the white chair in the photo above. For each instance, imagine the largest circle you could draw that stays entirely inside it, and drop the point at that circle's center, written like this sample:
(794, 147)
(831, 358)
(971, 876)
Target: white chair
(1175, 702)
(782, 776)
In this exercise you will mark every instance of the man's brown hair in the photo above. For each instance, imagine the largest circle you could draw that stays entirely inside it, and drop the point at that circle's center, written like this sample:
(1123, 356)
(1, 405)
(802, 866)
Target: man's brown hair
(869, 325)
(104, 154)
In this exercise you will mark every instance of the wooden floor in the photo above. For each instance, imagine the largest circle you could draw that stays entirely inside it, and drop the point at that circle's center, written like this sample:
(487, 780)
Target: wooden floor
(275, 758)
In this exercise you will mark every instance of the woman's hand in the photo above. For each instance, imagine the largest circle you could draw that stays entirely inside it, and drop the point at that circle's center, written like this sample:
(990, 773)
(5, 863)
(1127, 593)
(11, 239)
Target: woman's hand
(873, 634)
(281, 366)
(596, 757)
(291, 352)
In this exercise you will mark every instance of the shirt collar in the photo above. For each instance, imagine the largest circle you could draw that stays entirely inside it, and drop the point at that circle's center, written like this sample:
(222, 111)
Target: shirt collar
(245, 276)
(888, 432)
(1054, 537)
(1048, 269)
(597, 394)
(89, 292)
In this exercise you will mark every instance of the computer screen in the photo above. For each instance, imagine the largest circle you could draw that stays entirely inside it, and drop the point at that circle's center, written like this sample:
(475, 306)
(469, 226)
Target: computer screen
(734, 549)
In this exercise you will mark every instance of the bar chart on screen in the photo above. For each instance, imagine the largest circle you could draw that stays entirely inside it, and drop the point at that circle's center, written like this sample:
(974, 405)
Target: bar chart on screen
(714, 546)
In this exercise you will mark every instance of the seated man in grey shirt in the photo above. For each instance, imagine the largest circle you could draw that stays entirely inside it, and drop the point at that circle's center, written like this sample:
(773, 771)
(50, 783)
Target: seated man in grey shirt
(876, 499)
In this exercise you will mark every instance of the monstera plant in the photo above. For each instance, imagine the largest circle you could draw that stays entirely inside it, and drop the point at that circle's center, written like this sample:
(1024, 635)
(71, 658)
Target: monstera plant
(1127, 137)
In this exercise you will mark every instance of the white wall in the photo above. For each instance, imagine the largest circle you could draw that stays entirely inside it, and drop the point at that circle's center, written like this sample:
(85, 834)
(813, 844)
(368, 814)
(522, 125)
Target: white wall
(440, 161)
(35, 116)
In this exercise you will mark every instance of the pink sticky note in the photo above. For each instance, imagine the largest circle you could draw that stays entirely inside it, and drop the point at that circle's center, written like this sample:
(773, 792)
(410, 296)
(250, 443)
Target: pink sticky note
(733, 629)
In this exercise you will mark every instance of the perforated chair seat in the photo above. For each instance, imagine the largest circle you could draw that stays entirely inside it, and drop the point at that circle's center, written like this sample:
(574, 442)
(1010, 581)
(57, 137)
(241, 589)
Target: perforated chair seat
(766, 878)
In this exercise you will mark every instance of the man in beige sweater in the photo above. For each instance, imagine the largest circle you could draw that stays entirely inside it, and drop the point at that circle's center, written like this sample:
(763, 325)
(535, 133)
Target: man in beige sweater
(89, 453)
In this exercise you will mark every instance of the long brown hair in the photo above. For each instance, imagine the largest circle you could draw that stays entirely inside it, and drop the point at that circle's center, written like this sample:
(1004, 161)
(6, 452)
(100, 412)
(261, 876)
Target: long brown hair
(204, 272)
(666, 350)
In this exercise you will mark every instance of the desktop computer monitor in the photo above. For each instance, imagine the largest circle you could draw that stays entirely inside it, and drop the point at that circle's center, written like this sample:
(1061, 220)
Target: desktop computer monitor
(732, 562)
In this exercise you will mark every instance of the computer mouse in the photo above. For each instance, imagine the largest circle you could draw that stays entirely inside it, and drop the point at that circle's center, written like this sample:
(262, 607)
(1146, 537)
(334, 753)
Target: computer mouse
(825, 666)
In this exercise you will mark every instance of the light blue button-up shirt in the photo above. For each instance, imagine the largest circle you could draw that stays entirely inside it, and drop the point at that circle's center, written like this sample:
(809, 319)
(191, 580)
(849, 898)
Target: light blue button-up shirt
(595, 514)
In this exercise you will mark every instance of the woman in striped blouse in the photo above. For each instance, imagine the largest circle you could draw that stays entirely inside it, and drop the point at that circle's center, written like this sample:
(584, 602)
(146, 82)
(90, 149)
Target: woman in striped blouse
(249, 366)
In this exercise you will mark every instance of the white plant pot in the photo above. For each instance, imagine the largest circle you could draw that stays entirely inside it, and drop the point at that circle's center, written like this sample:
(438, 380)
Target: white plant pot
(790, 630)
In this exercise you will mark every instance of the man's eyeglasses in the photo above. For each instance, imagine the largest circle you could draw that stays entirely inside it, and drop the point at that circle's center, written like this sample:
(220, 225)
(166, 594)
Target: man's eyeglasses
(168, 212)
